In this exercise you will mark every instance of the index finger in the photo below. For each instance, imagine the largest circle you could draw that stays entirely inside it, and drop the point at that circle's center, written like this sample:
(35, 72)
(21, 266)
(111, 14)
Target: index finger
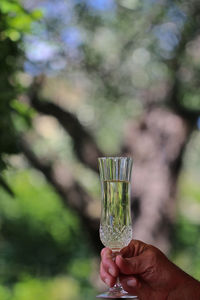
(133, 265)
(108, 262)
(106, 253)
(134, 248)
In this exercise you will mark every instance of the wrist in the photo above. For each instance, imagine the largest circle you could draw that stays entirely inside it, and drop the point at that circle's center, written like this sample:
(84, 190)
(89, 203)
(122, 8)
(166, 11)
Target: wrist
(185, 288)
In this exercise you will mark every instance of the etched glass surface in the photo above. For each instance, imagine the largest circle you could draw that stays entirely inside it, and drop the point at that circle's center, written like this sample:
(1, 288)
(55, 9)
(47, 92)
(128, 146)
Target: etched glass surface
(115, 238)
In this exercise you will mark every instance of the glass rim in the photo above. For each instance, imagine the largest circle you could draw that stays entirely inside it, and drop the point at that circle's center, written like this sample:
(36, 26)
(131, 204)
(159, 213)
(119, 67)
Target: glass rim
(115, 167)
(114, 157)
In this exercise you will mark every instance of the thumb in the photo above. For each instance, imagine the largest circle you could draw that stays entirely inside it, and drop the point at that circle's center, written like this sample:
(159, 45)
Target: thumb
(133, 286)
(130, 284)
(133, 265)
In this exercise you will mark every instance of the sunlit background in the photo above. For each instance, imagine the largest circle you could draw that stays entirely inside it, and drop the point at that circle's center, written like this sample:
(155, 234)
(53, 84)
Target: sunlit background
(80, 79)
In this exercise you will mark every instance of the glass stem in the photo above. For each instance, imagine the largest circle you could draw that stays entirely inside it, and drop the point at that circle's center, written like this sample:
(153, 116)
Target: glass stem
(117, 288)
(117, 284)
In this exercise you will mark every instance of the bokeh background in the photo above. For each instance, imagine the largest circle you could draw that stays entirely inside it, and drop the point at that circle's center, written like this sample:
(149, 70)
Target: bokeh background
(81, 79)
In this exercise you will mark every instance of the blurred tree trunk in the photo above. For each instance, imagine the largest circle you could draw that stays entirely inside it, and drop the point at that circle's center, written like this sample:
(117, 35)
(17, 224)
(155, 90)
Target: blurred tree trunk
(156, 142)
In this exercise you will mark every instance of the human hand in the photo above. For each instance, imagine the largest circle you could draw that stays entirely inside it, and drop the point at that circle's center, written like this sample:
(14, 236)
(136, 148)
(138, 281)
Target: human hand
(145, 271)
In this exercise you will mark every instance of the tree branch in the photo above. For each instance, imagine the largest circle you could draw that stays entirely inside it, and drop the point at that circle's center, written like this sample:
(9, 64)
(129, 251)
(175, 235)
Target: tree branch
(85, 146)
(156, 142)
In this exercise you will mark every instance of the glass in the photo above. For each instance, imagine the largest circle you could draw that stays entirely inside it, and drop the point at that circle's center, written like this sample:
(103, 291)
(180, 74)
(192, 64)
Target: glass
(115, 225)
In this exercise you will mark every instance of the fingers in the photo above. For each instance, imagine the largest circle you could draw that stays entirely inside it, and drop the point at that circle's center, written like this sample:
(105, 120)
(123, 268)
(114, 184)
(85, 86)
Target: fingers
(124, 266)
(132, 262)
(108, 269)
(108, 263)
(130, 284)
(133, 265)
(128, 251)
(106, 277)
(134, 248)
(139, 247)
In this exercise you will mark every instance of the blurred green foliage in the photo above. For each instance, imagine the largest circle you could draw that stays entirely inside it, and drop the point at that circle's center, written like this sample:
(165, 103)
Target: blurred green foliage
(14, 22)
(121, 52)
(36, 243)
(185, 239)
(59, 288)
(36, 231)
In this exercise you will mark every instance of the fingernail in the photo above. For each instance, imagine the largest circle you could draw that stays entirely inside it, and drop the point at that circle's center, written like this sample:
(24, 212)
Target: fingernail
(111, 271)
(131, 282)
(107, 281)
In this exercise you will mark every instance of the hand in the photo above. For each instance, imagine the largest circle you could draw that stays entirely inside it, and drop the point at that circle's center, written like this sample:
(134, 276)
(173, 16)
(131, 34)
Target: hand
(145, 271)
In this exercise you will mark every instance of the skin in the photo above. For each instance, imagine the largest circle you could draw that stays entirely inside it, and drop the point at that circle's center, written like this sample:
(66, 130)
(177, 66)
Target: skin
(145, 271)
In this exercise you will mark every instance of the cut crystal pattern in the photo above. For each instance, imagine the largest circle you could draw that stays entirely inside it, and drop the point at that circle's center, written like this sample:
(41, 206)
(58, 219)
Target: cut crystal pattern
(115, 237)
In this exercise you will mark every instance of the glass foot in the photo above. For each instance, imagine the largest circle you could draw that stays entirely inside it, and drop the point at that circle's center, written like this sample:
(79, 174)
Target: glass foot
(116, 293)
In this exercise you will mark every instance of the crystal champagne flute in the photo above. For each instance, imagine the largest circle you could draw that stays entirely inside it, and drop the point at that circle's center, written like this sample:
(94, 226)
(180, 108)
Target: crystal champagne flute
(115, 223)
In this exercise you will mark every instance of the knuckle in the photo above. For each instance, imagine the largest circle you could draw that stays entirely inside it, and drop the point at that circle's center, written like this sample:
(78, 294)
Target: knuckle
(103, 251)
(152, 250)
(152, 254)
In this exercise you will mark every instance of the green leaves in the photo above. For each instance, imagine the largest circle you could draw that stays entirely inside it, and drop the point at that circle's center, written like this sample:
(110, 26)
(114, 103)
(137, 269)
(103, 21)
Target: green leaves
(18, 20)
(10, 7)
(15, 116)
(24, 112)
